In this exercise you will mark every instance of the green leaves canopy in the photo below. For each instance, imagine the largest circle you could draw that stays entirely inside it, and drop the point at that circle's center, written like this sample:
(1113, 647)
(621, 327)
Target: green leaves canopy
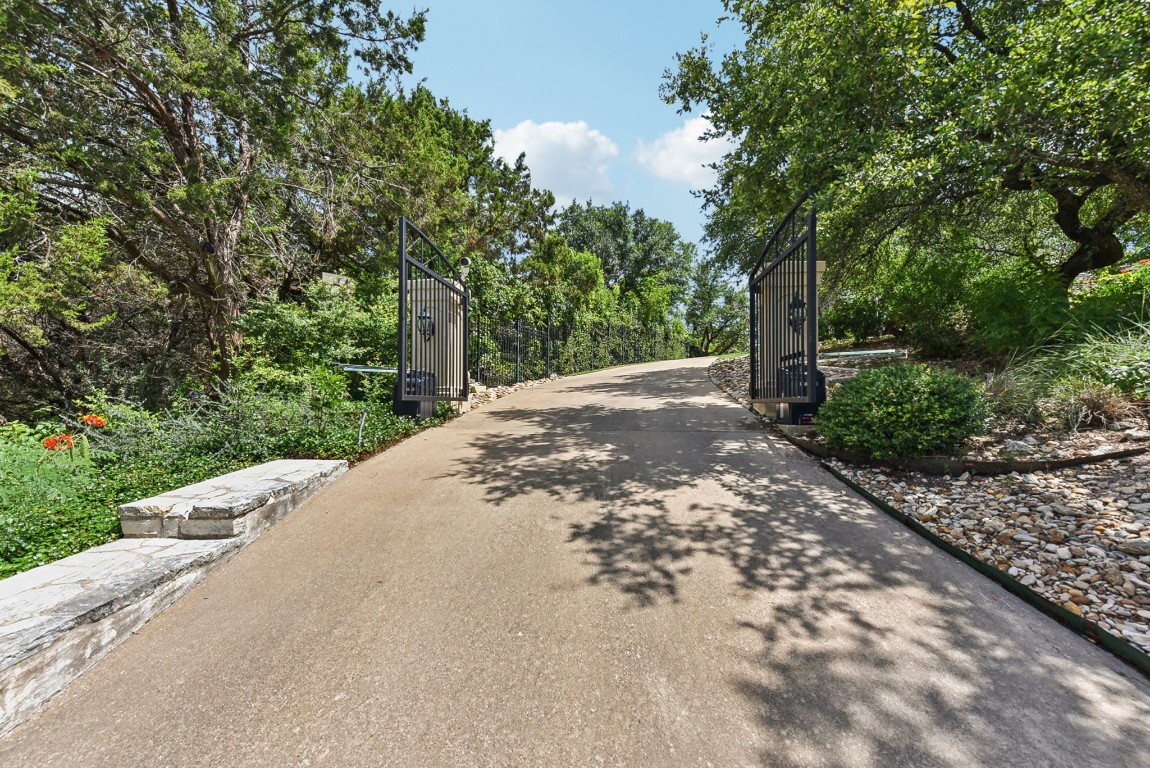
(183, 125)
(911, 113)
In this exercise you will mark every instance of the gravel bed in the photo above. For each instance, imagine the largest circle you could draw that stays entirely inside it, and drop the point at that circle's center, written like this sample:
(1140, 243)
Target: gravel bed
(481, 395)
(1079, 537)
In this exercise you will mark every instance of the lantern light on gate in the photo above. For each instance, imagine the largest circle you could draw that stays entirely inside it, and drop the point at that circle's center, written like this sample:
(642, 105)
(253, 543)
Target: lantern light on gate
(426, 324)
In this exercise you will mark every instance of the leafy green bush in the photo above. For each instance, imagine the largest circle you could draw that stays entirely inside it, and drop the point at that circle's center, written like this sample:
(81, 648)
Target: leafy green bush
(1013, 306)
(1115, 298)
(259, 418)
(856, 317)
(901, 411)
(330, 326)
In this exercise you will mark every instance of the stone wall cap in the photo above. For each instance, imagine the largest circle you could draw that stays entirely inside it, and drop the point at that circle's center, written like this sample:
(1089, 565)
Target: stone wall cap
(236, 493)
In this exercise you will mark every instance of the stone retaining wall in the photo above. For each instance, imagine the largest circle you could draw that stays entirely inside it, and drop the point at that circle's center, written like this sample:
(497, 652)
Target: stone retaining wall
(58, 620)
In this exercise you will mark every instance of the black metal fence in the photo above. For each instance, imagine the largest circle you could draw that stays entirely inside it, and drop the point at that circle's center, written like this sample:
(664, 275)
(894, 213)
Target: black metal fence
(505, 352)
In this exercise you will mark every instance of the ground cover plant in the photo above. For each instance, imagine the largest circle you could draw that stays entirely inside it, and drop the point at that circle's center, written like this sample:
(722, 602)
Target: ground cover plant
(60, 487)
(1099, 380)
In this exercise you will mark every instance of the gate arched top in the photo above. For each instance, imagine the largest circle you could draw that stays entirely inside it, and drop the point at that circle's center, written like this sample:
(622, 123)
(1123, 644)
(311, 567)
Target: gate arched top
(421, 250)
(788, 235)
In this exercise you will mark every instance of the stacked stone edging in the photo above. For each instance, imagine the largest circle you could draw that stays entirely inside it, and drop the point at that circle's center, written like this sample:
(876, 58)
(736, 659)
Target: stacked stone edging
(58, 620)
(235, 504)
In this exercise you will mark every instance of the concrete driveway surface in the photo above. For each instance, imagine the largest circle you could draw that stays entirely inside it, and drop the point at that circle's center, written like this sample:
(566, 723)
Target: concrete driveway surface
(620, 568)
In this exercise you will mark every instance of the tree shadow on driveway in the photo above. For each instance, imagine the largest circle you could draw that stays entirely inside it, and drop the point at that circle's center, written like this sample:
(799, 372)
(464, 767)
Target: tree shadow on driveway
(875, 649)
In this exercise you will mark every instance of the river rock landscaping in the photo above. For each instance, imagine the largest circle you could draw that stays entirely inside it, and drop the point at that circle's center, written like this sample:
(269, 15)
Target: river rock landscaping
(1079, 536)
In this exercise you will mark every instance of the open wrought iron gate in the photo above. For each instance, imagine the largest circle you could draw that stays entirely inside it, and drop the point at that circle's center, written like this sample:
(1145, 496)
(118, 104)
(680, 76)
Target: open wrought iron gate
(784, 315)
(433, 321)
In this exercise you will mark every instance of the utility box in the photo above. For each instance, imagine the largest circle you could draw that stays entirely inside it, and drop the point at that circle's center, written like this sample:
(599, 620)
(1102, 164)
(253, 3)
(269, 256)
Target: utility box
(417, 383)
(792, 380)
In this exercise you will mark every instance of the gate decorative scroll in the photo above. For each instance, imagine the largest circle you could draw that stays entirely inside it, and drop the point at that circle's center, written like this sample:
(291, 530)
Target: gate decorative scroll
(784, 315)
(433, 321)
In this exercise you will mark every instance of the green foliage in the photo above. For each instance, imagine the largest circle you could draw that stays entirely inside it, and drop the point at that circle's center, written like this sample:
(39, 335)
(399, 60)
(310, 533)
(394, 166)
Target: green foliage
(1014, 307)
(716, 311)
(918, 292)
(56, 503)
(44, 509)
(188, 132)
(166, 164)
(61, 285)
(947, 296)
(330, 325)
(857, 317)
(262, 415)
(1096, 380)
(901, 411)
(1114, 297)
(1115, 358)
(565, 281)
(595, 343)
(915, 119)
(643, 257)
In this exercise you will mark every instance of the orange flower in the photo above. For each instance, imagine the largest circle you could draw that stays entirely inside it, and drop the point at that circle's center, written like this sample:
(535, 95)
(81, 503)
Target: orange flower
(92, 420)
(59, 442)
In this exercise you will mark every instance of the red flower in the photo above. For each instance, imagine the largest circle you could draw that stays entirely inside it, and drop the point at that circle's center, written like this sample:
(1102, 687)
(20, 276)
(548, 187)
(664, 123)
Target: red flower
(59, 442)
(92, 420)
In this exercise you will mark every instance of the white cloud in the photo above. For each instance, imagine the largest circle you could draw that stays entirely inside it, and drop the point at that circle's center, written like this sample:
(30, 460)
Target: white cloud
(570, 159)
(683, 155)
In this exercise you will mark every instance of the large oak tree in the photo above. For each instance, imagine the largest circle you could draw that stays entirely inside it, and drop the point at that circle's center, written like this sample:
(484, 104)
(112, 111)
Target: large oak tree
(911, 113)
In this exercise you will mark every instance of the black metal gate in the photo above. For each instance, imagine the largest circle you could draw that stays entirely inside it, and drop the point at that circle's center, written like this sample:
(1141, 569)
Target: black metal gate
(433, 322)
(784, 316)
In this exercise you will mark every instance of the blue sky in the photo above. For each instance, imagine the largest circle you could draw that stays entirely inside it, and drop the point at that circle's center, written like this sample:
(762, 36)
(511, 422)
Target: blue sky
(575, 85)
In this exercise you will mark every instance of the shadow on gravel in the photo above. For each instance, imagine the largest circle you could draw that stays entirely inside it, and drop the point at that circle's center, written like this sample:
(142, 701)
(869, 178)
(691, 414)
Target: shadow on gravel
(872, 655)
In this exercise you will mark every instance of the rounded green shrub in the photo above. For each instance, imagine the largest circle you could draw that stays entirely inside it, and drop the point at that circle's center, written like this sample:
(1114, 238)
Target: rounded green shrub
(903, 410)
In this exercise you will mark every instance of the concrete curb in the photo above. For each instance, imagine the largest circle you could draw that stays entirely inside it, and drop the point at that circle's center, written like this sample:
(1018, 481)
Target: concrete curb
(57, 620)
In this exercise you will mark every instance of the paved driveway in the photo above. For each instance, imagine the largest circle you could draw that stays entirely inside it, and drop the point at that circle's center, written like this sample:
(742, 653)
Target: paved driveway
(620, 568)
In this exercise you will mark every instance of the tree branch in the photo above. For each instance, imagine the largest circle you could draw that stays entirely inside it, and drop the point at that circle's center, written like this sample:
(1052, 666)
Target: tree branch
(975, 30)
(949, 54)
(41, 362)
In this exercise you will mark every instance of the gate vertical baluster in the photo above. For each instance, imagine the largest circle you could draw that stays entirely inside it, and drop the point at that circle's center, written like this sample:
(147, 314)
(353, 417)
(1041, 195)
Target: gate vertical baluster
(402, 382)
(548, 342)
(812, 329)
